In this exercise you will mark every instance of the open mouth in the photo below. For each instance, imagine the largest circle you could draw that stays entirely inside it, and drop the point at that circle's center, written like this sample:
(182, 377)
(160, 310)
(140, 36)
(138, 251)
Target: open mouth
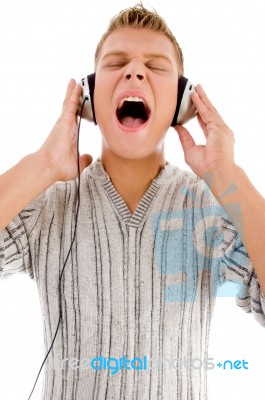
(132, 112)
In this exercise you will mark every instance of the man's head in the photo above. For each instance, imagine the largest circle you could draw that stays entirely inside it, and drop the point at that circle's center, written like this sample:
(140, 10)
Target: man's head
(140, 17)
(137, 69)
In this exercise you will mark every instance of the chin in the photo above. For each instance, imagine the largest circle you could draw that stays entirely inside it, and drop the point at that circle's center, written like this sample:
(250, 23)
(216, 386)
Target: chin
(132, 152)
(145, 142)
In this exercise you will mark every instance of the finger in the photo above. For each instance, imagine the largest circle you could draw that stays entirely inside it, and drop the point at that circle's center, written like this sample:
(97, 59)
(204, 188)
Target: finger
(70, 106)
(203, 125)
(69, 90)
(200, 91)
(185, 138)
(209, 111)
(204, 112)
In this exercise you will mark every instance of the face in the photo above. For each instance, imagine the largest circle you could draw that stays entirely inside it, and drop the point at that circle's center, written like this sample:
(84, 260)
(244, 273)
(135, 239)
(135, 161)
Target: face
(135, 92)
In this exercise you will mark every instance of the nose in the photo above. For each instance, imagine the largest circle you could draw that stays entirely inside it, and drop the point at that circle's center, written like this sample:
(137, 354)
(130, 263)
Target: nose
(135, 70)
(138, 76)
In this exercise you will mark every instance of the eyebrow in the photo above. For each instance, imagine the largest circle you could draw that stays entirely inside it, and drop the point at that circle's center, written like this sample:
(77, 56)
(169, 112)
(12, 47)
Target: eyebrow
(147, 55)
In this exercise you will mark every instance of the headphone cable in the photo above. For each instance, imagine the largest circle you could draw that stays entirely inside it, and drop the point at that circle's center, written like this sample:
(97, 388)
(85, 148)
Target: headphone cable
(70, 249)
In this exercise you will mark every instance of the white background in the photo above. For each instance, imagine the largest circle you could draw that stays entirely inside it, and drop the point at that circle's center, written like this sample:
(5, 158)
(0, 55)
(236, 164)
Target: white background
(46, 42)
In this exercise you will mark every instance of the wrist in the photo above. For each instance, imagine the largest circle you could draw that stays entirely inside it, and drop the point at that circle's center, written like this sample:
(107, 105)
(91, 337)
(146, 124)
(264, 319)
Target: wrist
(225, 180)
(49, 170)
(22, 183)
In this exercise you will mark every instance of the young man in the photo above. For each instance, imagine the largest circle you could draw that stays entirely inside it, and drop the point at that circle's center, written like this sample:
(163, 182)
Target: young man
(152, 243)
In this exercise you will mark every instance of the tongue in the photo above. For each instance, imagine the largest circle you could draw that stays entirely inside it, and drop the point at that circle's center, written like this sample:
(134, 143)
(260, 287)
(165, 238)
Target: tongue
(131, 122)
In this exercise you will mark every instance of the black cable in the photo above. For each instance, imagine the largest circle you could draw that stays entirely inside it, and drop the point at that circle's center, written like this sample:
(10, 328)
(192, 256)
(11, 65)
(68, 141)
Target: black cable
(69, 251)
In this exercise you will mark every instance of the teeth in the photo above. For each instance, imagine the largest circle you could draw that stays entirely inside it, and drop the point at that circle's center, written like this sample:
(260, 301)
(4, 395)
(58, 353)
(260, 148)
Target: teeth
(129, 98)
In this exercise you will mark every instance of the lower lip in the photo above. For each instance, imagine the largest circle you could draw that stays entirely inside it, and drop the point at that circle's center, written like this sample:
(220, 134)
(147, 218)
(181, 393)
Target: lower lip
(127, 129)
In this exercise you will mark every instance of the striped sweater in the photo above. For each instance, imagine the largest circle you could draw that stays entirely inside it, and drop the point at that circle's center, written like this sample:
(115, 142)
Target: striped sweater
(138, 290)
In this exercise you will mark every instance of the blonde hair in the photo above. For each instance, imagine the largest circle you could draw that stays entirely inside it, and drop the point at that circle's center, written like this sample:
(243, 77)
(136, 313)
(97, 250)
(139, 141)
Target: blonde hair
(140, 17)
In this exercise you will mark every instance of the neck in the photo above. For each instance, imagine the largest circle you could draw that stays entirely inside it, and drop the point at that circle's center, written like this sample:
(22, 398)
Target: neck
(131, 178)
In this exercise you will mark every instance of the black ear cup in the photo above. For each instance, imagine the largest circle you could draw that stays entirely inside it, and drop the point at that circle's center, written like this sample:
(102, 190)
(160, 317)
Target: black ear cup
(91, 84)
(181, 87)
(185, 109)
(88, 86)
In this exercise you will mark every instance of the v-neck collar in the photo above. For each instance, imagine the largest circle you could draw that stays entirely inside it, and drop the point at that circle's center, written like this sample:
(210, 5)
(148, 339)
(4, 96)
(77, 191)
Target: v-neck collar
(167, 173)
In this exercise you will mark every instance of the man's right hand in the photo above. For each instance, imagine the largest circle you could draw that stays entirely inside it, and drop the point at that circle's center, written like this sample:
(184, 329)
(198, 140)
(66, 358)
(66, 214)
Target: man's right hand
(59, 150)
(56, 160)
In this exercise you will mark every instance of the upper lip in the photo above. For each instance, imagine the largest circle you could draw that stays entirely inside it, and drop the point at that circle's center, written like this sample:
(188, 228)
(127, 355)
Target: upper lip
(133, 93)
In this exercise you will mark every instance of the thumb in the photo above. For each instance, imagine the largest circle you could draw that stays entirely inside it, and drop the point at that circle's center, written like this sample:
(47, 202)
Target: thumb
(185, 138)
(85, 160)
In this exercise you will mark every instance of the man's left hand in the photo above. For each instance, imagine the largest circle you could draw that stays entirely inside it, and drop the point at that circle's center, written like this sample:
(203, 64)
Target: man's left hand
(219, 147)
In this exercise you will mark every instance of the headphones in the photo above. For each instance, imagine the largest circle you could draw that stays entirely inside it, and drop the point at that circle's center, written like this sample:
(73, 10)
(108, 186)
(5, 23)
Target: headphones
(185, 109)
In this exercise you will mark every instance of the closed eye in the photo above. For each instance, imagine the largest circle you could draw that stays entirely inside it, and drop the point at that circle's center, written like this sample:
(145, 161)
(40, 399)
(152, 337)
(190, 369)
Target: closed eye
(156, 68)
(115, 65)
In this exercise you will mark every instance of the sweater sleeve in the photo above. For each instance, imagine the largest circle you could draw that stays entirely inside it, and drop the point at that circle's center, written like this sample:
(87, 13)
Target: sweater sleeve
(15, 254)
(233, 271)
(236, 266)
